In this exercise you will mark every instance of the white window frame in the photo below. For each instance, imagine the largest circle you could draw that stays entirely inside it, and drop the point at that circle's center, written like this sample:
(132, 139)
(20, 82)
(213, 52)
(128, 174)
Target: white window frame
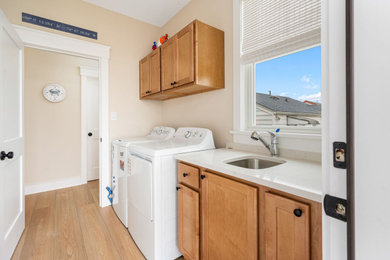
(244, 100)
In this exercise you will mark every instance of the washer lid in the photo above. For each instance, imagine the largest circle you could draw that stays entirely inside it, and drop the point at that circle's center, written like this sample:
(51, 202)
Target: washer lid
(186, 139)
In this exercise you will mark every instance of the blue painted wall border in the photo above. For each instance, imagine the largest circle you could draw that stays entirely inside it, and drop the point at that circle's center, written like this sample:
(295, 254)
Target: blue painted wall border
(33, 19)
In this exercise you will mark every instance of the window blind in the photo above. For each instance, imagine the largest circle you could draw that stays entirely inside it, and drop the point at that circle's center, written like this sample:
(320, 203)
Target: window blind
(270, 28)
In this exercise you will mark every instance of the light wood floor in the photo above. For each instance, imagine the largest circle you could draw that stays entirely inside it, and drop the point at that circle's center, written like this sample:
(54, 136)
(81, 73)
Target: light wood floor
(69, 224)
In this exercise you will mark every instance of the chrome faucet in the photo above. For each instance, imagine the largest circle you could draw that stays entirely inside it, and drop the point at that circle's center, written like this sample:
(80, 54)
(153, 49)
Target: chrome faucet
(272, 147)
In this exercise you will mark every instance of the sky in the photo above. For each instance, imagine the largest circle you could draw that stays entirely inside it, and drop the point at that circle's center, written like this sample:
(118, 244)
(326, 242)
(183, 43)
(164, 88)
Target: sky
(297, 75)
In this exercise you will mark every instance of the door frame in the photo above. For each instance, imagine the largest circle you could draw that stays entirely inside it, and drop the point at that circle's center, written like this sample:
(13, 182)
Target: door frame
(85, 73)
(67, 45)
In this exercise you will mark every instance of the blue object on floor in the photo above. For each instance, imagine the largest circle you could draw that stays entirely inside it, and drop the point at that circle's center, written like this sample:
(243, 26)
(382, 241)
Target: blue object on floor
(109, 196)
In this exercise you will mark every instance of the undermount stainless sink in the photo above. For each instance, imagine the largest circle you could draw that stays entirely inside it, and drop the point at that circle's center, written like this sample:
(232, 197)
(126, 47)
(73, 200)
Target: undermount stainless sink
(255, 163)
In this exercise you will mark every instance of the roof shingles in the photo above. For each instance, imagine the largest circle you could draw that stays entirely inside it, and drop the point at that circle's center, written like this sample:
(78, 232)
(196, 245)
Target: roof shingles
(286, 104)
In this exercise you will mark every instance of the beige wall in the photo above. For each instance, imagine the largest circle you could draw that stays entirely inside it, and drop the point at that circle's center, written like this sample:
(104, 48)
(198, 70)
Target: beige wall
(213, 109)
(130, 40)
(52, 130)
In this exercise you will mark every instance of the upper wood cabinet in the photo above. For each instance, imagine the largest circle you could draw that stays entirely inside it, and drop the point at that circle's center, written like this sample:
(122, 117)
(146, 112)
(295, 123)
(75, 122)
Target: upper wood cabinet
(229, 219)
(149, 74)
(169, 63)
(192, 61)
(287, 228)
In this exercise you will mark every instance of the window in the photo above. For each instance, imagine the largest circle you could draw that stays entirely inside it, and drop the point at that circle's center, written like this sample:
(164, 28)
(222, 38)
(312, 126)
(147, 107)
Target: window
(280, 59)
(288, 89)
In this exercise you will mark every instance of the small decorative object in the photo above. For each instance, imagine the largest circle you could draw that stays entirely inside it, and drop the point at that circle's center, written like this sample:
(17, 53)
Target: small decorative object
(54, 93)
(162, 40)
(154, 46)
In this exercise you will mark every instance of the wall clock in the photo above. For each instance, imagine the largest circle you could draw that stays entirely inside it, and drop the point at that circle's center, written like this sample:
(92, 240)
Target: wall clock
(54, 93)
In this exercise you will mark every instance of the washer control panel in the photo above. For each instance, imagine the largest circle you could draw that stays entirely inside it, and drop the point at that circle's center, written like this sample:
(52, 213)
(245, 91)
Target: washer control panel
(191, 133)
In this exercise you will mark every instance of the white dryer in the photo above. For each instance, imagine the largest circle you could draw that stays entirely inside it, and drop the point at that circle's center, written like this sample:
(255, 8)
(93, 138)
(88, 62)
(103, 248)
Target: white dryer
(152, 202)
(121, 167)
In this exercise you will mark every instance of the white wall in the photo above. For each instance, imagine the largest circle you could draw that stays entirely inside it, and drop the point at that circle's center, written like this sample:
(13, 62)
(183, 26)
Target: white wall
(372, 128)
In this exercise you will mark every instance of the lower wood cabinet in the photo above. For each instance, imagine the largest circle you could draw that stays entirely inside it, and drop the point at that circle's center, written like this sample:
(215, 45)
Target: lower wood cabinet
(229, 219)
(222, 217)
(188, 221)
(287, 228)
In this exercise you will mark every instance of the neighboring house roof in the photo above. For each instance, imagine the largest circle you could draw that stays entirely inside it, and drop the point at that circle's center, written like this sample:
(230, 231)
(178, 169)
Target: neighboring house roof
(282, 105)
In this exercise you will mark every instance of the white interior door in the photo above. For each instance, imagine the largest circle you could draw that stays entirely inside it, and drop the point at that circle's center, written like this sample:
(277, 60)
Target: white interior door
(92, 108)
(371, 66)
(11, 139)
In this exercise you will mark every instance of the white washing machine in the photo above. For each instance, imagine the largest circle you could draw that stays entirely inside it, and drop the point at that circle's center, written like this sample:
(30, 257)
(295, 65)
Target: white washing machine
(121, 166)
(152, 202)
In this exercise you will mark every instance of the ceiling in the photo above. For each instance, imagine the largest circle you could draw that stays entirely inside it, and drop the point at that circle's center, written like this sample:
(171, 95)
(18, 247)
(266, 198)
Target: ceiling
(156, 12)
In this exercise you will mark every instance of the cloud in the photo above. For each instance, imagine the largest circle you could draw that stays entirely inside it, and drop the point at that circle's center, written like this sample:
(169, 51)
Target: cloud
(311, 86)
(283, 94)
(305, 79)
(311, 97)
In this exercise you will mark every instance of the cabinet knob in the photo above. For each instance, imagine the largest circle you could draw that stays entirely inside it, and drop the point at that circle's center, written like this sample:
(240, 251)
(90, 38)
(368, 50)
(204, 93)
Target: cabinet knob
(185, 174)
(177, 188)
(202, 176)
(147, 92)
(298, 212)
(173, 83)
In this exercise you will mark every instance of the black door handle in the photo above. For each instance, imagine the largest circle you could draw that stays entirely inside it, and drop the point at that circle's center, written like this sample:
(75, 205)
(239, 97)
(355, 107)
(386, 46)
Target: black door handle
(89, 134)
(185, 174)
(298, 212)
(202, 176)
(8, 155)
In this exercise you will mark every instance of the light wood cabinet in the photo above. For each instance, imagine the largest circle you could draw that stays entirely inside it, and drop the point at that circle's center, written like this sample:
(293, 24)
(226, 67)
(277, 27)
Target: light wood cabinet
(169, 63)
(243, 220)
(229, 217)
(188, 221)
(287, 228)
(149, 74)
(185, 56)
(144, 76)
(192, 61)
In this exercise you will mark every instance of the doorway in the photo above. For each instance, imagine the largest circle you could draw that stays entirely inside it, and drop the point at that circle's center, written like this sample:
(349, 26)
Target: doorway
(61, 101)
(67, 45)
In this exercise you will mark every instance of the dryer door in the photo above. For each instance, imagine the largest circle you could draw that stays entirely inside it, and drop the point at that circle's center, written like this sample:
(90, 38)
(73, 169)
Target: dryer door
(140, 186)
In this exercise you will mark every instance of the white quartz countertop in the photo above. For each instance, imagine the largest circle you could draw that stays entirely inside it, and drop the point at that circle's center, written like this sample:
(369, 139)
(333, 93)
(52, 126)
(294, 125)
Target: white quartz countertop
(298, 177)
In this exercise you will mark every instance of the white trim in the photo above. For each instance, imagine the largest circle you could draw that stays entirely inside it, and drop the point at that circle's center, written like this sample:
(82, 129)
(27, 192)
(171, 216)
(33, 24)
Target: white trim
(55, 185)
(51, 41)
(85, 73)
(91, 72)
(67, 45)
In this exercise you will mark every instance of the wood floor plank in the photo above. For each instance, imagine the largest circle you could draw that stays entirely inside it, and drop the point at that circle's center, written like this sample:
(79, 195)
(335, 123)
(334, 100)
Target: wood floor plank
(97, 239)
(122, 240)
(69, 240)
(69, 224)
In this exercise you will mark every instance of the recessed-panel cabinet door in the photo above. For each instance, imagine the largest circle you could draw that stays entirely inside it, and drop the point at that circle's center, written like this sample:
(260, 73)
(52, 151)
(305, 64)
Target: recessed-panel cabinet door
(169, 64)
(185, 57)
(144, 76)
(155, 77)
(188, 219)
(229, 219)
(287, 228)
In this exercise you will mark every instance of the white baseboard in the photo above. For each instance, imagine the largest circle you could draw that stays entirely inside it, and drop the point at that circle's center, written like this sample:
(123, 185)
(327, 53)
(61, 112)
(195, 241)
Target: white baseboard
(54, 185)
